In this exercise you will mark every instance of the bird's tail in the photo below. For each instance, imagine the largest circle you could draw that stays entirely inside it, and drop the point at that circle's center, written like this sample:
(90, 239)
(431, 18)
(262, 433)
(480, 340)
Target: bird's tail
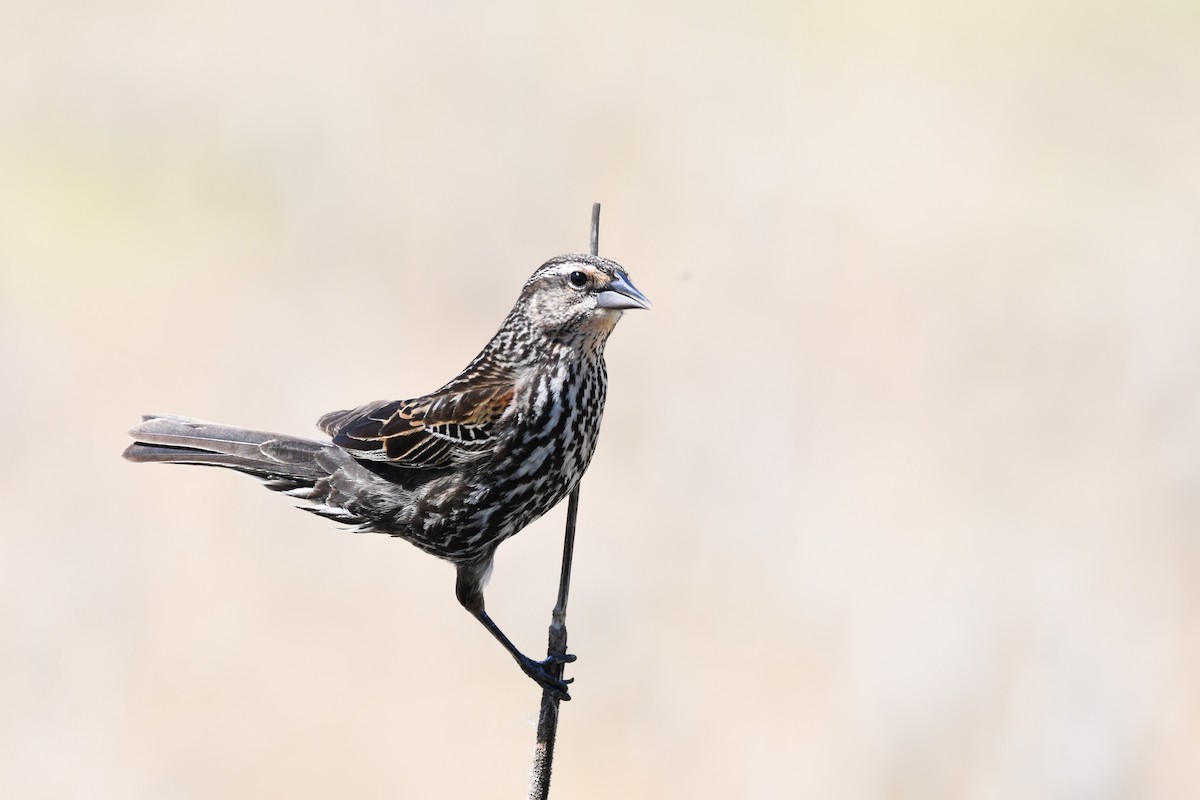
(270, 456)
(332, 482)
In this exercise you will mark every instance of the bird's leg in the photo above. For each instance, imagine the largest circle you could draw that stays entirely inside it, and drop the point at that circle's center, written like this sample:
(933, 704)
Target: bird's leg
(469, 590)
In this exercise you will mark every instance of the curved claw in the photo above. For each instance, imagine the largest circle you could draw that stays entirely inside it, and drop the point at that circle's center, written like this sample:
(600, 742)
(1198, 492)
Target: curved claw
(540, 672)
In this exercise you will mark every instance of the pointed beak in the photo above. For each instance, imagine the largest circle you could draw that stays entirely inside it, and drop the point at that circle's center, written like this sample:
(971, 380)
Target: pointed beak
(622, 294)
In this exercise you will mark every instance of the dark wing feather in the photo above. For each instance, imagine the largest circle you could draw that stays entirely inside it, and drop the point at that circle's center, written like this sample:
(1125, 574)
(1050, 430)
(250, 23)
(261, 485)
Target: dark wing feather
(426, 432)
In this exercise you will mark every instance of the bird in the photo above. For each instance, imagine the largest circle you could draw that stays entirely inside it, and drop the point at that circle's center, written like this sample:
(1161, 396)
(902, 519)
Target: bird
(459, 470)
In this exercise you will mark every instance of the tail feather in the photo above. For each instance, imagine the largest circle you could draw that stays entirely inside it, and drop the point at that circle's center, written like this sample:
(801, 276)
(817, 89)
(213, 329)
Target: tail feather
(329, 479)
(180, 440)
(164, 454)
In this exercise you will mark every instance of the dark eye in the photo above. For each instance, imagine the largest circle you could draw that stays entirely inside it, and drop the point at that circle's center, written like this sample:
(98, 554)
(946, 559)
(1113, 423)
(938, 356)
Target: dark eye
(578, 279)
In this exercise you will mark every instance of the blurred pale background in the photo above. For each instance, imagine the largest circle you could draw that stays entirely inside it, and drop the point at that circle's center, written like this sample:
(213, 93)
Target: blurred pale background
(899, 490)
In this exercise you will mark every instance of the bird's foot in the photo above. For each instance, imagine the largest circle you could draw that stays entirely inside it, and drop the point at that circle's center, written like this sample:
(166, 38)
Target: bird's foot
(541, 672)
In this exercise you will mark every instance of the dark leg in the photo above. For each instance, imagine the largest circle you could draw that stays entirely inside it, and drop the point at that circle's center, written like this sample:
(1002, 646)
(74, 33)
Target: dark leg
(470, 593)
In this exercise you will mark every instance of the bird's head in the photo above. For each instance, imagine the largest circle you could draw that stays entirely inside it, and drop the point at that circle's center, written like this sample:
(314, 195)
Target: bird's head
(576, 295)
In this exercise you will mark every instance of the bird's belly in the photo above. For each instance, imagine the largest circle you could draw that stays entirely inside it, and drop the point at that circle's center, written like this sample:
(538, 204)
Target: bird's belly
(466, 515)
(534, 462)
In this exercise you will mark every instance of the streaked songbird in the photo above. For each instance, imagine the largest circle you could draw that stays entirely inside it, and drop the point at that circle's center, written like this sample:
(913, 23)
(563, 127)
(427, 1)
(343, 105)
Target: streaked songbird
(457, 471)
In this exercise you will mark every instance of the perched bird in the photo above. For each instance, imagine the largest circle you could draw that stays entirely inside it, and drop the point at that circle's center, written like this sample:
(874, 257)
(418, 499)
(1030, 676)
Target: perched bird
(457, 471)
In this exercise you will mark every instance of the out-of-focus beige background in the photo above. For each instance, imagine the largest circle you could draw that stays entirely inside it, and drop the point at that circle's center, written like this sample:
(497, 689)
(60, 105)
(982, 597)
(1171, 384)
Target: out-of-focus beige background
(899, 488)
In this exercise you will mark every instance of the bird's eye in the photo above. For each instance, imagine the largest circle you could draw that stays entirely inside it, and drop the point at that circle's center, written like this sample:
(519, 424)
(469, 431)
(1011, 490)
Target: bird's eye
(578, 279)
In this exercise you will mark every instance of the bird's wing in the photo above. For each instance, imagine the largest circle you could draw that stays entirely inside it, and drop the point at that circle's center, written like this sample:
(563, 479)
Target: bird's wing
(426, 432)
